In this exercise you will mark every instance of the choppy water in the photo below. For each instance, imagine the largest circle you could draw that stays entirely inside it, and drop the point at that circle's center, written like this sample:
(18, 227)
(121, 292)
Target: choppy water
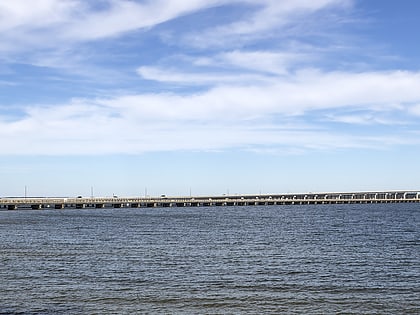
(323, 259)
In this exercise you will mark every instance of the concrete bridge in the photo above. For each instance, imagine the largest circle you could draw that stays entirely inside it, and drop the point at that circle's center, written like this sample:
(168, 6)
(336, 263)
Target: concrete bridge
(209, 201)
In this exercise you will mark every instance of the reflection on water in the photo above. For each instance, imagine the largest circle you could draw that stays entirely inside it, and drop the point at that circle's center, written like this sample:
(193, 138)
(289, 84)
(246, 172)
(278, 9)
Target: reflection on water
(354, 259)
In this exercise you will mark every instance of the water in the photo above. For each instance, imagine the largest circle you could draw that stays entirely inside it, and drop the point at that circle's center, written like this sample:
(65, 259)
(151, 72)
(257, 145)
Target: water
(322, 259)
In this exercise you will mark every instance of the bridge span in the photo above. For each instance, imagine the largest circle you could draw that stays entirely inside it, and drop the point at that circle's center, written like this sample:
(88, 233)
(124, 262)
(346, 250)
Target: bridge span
(208, 201)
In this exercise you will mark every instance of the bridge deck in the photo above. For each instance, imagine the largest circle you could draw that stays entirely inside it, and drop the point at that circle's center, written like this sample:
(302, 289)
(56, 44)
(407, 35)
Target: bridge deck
(236, 200)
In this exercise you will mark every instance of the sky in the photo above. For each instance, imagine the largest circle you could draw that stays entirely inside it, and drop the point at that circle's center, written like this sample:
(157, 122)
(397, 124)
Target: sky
(208, 97)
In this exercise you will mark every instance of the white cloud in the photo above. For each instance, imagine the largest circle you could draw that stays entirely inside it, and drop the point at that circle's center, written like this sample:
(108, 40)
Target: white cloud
(221, 117)
(102, 133)
(305, 90)
(52, 23)
(415, 109)
(266, 61)
(247, 99)
(36, 14)
(233, 68)
(267, 16)
(123, 16)
(199, 78)
(384, 117)
(48, 33)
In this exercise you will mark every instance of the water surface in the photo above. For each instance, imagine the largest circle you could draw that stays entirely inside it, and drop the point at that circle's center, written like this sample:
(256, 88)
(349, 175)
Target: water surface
(313, 259)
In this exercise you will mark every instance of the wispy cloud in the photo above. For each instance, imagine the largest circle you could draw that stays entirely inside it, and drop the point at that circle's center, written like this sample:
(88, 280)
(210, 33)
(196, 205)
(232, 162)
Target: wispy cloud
(267, 18)
(415, 109)
(199, 78)
(304, 90)
(224, 91)
(54, 22)
(220, 117)
(58, 24)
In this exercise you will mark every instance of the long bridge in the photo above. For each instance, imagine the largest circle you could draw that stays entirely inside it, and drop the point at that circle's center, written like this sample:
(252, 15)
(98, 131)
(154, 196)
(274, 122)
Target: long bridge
(39, 203)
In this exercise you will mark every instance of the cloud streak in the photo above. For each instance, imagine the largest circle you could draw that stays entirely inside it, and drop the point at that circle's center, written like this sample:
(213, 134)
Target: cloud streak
(217, 95)
(221, 117)
(265, 18)
(52, 23)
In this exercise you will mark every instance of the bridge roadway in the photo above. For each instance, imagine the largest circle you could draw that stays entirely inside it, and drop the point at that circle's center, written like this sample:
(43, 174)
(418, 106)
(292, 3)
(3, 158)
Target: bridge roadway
(207, 201)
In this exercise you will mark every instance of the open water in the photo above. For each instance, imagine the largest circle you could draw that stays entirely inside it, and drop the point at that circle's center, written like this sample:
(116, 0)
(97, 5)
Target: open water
(322, 259)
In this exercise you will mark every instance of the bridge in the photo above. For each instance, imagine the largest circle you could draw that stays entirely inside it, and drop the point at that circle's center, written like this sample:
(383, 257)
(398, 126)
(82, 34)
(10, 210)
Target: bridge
(29, 203)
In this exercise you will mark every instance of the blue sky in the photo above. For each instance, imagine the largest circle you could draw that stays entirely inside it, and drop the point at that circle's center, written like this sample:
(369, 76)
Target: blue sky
(208, 96)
